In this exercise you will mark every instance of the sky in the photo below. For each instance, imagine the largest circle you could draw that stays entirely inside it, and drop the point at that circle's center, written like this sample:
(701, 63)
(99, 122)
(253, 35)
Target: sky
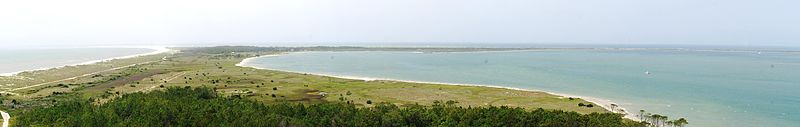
(331, 22)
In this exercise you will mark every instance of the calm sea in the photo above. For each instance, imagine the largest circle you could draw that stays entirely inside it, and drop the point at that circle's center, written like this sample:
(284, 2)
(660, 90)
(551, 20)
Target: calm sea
(22, 59)
(709, 88)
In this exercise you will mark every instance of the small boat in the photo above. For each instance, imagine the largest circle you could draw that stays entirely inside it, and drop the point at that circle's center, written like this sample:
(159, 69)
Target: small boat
(647, 72)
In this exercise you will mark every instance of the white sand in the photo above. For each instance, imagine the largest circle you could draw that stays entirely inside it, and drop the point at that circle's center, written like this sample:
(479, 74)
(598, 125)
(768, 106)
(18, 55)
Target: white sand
(158, 50)
(604, 103)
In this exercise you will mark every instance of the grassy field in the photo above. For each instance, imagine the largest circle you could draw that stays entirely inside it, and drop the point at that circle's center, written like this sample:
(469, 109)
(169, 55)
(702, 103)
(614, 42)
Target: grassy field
(69, 75)
(219, 70)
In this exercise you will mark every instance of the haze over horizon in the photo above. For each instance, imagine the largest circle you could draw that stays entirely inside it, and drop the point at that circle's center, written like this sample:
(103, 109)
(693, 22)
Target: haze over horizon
(352, 22)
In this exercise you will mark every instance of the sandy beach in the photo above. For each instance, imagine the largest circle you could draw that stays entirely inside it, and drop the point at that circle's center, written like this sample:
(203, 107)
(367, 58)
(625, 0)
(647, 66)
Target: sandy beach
(157, 50)
(604, 103)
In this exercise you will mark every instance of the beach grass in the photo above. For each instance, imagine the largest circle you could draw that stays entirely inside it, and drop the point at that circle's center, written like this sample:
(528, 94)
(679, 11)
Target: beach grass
(47, 77)
(221, 72)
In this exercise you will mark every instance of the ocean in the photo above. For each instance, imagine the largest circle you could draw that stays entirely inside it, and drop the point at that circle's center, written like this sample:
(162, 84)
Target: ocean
(15, 60)
(707, 87)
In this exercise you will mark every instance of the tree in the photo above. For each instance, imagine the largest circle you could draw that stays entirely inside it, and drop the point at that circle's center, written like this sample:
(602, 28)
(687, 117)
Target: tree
(641, 114)
(182, 106)
(656, 120)
(663, 119)
(613, 107)
(681, 122)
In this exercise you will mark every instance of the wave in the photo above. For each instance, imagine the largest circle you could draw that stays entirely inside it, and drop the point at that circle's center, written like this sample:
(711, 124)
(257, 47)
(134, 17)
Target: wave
(157, 50)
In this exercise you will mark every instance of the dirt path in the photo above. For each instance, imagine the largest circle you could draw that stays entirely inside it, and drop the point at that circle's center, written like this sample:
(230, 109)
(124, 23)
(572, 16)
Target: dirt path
(170, 79)
(6, 118)
(66, 79)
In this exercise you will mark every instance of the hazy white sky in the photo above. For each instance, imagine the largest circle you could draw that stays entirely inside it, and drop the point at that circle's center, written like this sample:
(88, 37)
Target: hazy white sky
(169, 22)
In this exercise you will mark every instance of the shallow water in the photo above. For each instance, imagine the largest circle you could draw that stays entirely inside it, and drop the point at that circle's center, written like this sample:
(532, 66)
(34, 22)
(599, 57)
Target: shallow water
(707, 88)
(22, 59)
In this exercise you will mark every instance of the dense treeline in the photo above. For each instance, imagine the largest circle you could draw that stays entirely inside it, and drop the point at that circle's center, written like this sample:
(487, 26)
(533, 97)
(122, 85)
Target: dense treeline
(229, 49)
(238, 49)
(203, 107)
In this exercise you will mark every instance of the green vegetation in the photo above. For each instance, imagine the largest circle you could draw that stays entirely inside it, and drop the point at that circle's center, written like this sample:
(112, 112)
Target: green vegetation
(239, 49)
(64, 75)
(203, 107)
(74, 94)
(660, 120)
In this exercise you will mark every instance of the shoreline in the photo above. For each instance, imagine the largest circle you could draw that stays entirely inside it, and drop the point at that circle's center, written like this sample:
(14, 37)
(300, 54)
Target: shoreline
(158, 50)
(604, 103)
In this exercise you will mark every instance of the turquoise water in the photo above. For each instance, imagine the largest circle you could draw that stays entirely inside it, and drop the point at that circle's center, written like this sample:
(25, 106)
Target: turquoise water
(22, 59)
(708, 88)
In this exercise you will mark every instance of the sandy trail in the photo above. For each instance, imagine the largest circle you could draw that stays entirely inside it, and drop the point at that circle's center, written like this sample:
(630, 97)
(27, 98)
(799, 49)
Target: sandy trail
(6, 118)
(170, 79)
(71, 78)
